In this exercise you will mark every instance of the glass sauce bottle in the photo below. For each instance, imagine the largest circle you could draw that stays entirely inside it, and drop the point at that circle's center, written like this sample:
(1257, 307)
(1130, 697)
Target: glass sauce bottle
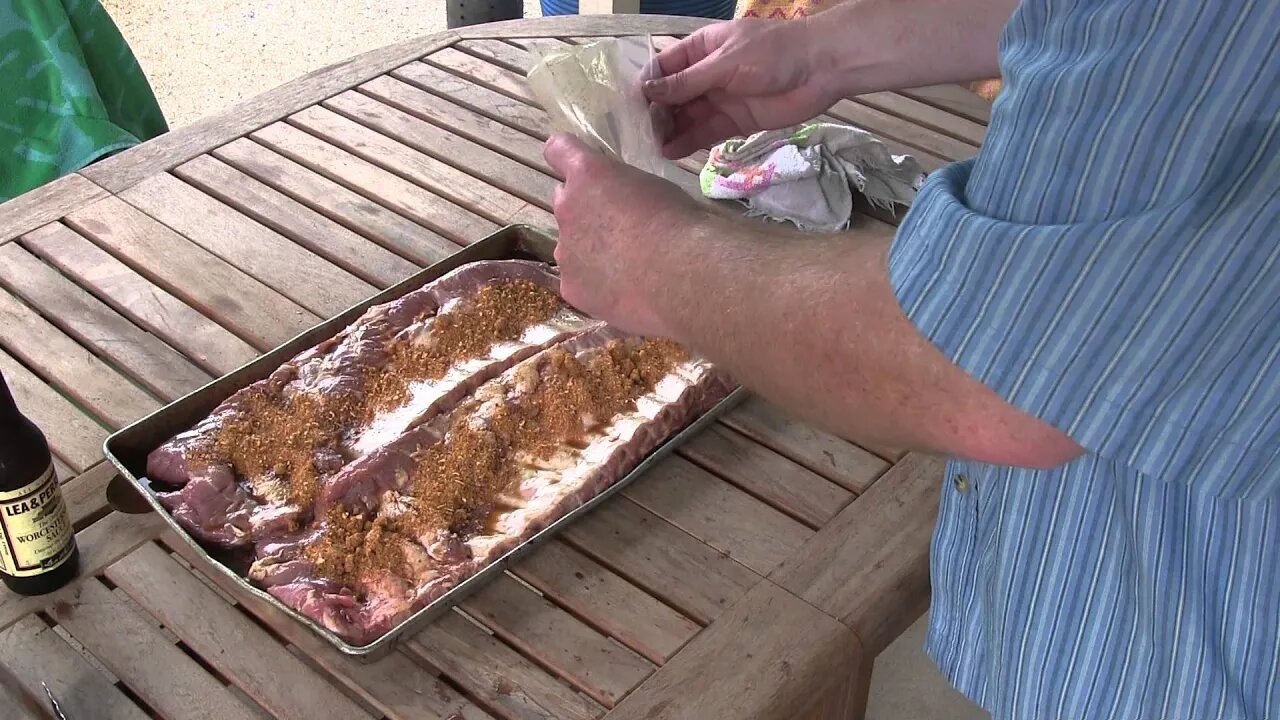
(37, 543)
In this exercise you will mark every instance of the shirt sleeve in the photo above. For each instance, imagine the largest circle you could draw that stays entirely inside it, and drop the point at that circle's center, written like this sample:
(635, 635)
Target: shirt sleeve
(1151, 339)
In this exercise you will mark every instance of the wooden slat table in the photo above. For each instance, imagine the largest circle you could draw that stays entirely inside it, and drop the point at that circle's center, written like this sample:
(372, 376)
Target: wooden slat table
(756, 574)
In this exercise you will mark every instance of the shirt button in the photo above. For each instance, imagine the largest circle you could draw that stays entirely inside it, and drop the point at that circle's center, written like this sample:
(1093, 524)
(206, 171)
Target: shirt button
(961, 483)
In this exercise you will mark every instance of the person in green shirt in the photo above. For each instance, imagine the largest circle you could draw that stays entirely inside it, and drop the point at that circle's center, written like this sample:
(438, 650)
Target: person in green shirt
(71, 91)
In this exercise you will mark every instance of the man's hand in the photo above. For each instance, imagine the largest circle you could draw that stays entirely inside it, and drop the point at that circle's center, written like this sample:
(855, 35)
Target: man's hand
(736, 78)
(616, 224)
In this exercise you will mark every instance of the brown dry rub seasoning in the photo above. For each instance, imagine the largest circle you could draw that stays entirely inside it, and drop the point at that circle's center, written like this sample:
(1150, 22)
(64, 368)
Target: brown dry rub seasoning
(353, 544)
(282, 434)
(458, 483)
(499, 312)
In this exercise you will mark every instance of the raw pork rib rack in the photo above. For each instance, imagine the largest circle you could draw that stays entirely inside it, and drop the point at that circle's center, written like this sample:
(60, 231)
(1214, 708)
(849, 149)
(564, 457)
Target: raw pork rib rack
(377, 471)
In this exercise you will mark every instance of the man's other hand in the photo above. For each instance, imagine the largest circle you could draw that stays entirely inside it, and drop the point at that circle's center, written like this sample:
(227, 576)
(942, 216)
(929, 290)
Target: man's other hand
(616, 226)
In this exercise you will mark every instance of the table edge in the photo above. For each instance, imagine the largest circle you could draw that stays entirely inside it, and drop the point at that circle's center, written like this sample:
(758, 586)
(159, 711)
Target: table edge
(164, 152)
(804, 672)
(45, 204)
(874, 588)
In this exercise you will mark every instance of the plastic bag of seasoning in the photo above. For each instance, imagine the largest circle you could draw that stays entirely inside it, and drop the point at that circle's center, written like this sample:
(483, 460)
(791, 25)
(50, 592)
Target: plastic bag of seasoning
(595, 92)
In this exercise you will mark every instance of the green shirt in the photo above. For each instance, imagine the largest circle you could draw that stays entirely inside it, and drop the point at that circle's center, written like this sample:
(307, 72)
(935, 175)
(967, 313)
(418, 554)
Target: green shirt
(71, 91)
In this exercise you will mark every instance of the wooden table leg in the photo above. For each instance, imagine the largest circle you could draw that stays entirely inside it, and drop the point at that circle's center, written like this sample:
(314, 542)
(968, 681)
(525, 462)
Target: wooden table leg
(463, 13)
(608, 7)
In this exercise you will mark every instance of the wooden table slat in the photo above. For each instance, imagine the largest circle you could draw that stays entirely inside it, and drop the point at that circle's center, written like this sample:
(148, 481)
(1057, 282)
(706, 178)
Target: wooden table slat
(890, 454)
(392, 191)
(46, 204)
(258, 711)
(218, 289)
(483, 72)
(204, 341)
(537, 217)
(507, 684)
(666, 562)
(36, 654)
(516, 59)
(69, 366)
(135, 650)
(100, 544)
(928, 161)
(84, 653)
(842, 569)
(423, 170)
(840, 461)
(531, 44)
(394, 232)
(18, 702)
(286, 267)
(603, 669)
(719, 514)
(396, 685)
(75, 437)
(615, 606)
(493, 168)
(92, 323)
(229, 641)
(484, 130)
(926, 116)
(919, 139)
(955, 99)
(85, 494)
(476, 97)
(347, 249)
(800, 493)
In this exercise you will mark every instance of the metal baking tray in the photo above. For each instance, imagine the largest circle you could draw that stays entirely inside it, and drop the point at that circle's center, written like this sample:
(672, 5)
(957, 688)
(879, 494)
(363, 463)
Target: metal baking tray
(128, 448)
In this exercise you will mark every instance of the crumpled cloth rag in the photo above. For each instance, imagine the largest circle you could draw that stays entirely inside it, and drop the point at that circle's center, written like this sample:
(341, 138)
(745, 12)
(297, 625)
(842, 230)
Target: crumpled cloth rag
(807, 175)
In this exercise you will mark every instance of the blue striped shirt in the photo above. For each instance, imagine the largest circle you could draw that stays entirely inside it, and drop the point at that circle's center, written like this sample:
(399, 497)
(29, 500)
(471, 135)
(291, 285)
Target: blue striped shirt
(1110, 262)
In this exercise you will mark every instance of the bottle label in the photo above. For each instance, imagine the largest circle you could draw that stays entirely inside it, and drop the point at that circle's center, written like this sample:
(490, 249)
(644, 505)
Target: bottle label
(35, 529)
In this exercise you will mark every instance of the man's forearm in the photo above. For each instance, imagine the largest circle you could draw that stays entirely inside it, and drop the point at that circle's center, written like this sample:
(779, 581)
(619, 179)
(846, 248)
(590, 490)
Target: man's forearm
(813, 325)
(871, 45)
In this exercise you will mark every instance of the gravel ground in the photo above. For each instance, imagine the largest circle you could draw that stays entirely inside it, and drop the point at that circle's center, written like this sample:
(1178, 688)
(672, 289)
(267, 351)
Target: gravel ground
(203, 55)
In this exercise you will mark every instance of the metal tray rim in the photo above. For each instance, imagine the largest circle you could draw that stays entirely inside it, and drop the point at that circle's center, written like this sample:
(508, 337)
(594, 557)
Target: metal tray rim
(449, 599)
